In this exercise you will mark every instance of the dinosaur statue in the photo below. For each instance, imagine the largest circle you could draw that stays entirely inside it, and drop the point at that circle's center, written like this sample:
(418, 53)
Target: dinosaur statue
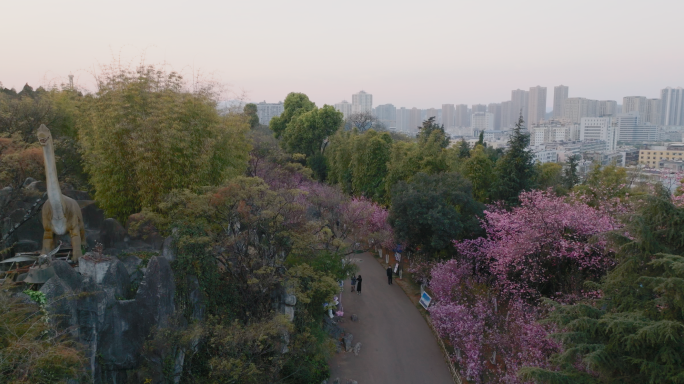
(61, 214)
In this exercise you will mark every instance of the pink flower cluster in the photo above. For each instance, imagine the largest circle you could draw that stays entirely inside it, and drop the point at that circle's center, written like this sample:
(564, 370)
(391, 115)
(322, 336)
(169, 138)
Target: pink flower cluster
(486, 300)
(493, 336)
(547, 237)
(356, 220)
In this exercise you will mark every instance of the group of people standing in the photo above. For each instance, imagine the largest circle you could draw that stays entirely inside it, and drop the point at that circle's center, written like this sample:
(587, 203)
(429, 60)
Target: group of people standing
(356, 284)
(356, 281)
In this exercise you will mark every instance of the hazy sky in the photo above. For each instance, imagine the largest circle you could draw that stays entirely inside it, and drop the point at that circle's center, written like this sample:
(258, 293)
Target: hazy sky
(409, 53)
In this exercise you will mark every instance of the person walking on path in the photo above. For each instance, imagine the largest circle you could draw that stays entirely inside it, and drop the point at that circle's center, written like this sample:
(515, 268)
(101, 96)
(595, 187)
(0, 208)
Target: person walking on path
(389, 275)
(353, 283)
(358, 285)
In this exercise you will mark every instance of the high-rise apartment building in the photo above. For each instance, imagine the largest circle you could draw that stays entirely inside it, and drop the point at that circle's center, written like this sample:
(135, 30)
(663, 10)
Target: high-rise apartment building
(482, 121)
(267, 111)
(607, 108)
(362, 102)
(414, 120)
(672, 106)
(630, 129)
(634, 104)
(575, 108)
(448, 116)
(539, 135)
(599, 128)
(387, 115)
(345, 107)
(519, 106)
(479, 108)
(430, 112)
(653, 115)
(462, 116)
(505, 115)
(403, 119)
(536, 105)
(495, 109)
(560, 93)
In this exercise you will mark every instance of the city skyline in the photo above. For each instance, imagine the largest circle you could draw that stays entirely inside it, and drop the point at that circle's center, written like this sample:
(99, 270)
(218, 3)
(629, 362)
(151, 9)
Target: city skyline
(270, 48)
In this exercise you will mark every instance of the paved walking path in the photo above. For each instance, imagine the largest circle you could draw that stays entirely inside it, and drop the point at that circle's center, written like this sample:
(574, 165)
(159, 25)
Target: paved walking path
(397, 345)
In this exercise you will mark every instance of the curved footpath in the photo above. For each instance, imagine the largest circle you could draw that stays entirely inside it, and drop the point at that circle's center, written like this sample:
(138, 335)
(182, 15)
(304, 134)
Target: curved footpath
(397, 345)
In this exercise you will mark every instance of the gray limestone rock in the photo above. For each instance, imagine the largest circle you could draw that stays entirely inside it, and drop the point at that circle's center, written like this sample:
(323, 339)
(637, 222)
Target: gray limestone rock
(67, 274)
(60, 303)
(332, 329)
(95, 266)
(92, 237)
(348, 342)
(38, 186)
(26, 246)
(288, 311)
(289, 299)
(111, 233)
(24, 298)
(357, 349)
(156, 292)
(76, 195)
(28, 181)
(31, 230)
(5, 195)
(116, 281)
(132, 264)
(122, 336)
(93, 216)
(168, 251)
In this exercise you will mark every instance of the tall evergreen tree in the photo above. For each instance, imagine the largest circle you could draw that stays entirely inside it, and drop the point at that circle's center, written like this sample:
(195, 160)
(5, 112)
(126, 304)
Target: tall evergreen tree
(515, 170)
(463, 149)
(481, 140)
(570, 176)
(426, 130)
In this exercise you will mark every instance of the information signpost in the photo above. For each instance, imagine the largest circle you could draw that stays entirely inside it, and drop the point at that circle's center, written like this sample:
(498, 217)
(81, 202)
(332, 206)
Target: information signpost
(425, 300)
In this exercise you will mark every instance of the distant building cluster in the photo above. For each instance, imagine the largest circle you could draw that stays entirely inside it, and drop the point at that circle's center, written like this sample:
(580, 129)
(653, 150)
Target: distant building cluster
(267, 111)
(639, 132)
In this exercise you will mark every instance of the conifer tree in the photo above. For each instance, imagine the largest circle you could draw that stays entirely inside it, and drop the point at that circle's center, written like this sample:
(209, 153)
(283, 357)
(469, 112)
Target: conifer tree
(515, 170)
(570, 176)
(463, 150)
(481, 140)
(428, 129)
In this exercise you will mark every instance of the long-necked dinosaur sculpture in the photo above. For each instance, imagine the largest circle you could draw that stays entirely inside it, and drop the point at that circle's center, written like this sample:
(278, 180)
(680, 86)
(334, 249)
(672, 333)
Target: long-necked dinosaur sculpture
(61, 214)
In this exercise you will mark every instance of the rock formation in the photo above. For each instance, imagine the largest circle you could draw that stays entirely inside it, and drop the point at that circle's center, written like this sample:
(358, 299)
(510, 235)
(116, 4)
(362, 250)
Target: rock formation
(61, 214)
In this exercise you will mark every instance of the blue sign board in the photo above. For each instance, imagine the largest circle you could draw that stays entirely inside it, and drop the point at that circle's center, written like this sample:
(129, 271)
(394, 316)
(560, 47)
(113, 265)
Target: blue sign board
(425, 300)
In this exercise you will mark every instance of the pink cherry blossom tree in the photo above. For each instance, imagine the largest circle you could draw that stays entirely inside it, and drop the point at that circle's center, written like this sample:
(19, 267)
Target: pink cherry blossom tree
(493, 335)
(488, 299)
(549, 245)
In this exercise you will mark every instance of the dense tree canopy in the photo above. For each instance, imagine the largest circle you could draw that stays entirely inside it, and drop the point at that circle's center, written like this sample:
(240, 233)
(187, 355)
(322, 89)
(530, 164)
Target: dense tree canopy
(306, 132)
(634, 331)
(250, 110)
(143, 135)
(432, 210)
(295, 104)
(479, 169)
